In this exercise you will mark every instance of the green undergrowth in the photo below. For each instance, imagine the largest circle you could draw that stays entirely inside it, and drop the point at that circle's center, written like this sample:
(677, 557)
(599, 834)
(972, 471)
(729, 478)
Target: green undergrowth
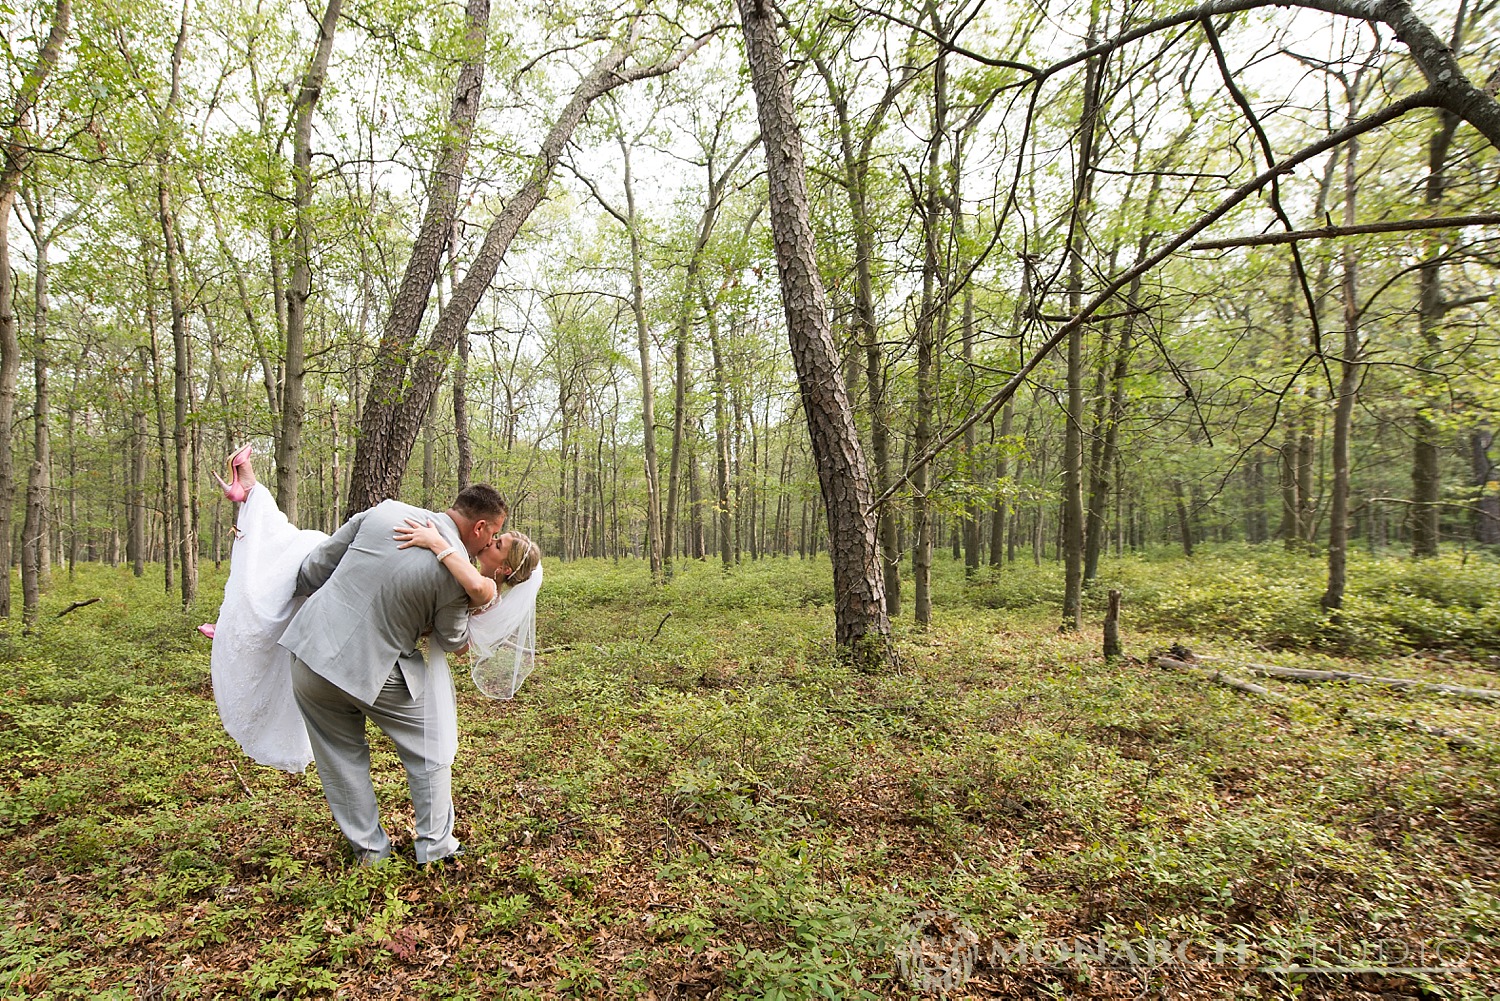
(1271, 597)
(693, 797)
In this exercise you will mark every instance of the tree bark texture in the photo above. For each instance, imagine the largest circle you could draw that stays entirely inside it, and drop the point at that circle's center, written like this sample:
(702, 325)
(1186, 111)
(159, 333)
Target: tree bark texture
(375, 473)
(861, 626)
(395, 404)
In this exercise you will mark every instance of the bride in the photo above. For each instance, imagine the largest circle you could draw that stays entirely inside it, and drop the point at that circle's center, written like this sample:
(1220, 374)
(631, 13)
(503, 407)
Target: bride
(252, 675)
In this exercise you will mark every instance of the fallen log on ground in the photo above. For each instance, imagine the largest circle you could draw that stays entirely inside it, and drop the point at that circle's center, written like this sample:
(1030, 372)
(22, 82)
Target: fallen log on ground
(1219, 677)
(1414, 684)
(1230, 681)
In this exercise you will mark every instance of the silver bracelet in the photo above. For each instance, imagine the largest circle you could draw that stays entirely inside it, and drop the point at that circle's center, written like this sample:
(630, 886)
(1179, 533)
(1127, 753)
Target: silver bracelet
(446, 553)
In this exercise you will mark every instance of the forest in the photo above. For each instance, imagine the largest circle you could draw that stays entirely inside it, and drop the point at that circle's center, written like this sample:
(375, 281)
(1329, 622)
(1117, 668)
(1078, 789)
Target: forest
(1007, 474)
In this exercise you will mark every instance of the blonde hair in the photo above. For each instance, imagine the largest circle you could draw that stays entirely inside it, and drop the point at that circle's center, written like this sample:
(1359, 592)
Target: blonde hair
(522, 559)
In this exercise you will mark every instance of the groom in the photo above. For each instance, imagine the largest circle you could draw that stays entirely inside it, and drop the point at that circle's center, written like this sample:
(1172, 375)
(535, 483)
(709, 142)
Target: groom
(356, 655)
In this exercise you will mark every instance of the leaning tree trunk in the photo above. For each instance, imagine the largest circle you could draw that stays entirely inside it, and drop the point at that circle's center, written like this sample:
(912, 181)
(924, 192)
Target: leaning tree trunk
(861, 626)
(395, 403)
(293, 396)
(376, 471)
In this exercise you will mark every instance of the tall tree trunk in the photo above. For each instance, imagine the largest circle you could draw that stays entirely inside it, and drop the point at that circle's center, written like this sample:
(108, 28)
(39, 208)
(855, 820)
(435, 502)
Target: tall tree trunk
(713, 199)
(929, 337)
(1073, 516)
(1109, 435)
(648, 395)
(293, 394)
(679, 407)
(135, 501)
(1426, 474)
(334, 446)
(861, 626)
(972, 509)
(721, 436)
(1286, 465)
(999, 515)
(695, 502)
(563, 536)
(1307, 523)
(1343, 413)
(10, 370)
(34, 531)
(1486, 474)
(247, 308)
(1007, 426)
(187, 536)
(17, 157)
(165, 497)
(1184, 520)
(856, 182)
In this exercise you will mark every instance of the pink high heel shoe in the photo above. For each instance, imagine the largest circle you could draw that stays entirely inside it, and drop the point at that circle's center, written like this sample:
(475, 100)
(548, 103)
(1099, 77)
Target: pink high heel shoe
(234, 490)
(207, 629)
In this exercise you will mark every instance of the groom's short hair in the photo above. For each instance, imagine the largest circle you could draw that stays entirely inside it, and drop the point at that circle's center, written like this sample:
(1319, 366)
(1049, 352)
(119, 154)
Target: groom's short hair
(480, 501)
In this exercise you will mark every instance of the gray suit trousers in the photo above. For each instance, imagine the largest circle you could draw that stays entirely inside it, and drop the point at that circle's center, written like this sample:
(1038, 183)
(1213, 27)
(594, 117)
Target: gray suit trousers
(336, 727)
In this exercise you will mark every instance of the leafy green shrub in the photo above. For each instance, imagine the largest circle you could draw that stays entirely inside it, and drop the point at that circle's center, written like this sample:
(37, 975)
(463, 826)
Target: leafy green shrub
(1270, 596)
(1015, 586)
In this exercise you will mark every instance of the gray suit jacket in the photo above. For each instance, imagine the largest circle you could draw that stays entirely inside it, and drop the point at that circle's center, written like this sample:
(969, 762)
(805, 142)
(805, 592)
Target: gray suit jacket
(369, 604)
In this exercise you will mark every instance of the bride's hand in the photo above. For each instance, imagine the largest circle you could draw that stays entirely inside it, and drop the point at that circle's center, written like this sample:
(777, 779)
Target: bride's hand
(414, 533)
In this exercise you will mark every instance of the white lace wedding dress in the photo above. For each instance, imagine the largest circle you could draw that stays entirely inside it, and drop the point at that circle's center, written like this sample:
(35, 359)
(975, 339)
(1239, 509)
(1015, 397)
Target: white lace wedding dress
(252, 679)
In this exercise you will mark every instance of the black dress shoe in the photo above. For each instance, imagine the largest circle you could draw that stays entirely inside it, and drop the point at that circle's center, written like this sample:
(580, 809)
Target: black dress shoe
(452, 861)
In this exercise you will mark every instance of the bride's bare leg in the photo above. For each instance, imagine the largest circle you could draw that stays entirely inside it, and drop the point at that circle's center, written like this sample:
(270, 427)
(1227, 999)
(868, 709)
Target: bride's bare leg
(247, 473)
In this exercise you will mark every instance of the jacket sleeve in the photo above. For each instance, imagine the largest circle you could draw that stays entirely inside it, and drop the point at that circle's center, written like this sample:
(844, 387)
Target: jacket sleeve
(320, 563)
(450, 627)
